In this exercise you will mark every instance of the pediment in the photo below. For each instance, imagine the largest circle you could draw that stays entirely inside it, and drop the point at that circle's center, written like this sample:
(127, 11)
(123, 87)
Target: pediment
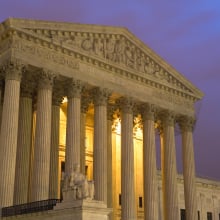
(115, 46)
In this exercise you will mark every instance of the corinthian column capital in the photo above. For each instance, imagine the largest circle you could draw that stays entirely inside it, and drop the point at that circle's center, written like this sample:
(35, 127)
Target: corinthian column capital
(167, 118)
(110, 111)
(148, 111)
(27, 88)
(13, 70)
(100, 96)
(46, 78)
(186, 123)
(74, 88)
(126, 104)
(85, 101)
(57, 97)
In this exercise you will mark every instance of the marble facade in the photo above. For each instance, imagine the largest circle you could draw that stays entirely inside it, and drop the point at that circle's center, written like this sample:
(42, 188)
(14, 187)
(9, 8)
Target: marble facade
(62, 76)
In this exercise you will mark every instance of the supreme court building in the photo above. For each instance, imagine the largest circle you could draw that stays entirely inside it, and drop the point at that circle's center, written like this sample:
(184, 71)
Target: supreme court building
(96, 96)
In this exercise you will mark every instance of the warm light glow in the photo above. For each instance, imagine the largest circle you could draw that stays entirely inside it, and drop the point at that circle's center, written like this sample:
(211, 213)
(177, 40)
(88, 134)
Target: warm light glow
(139, 133)
(118, 126)
(64, 100)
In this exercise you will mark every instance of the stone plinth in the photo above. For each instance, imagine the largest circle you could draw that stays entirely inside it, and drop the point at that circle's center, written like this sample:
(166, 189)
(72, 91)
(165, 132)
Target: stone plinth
(82, 210)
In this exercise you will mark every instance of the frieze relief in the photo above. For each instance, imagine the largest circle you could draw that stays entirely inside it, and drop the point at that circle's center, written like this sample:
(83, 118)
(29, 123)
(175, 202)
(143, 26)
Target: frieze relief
(116, 49)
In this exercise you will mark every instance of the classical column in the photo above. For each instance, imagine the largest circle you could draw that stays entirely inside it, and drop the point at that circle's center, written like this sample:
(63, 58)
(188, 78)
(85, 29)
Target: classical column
(169, 172)
(100, 143)
(34, 109)
(149, 164)
(73, 126)
(41, 164)
(1, 94)
(128, 205)
(110, 113)
(57, 98)
(186, 126)
(23, 144)
(9, 132)
(84, 108)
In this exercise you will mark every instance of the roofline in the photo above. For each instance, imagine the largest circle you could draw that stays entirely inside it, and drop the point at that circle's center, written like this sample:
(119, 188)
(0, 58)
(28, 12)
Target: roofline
(68, 26)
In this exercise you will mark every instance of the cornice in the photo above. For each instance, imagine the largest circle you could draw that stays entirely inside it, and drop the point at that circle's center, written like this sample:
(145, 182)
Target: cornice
(164, 88)
(102, 30)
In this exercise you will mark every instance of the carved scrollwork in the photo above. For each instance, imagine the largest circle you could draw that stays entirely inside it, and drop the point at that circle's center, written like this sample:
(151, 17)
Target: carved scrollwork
(46, 78)
(186, 123)
(148, 111)
(57, 98)
(100, 96)
(126, 104)
(74, 88)
(167, 118)
(13, 70)
(27, 88)
(110, 111)
(85, 102)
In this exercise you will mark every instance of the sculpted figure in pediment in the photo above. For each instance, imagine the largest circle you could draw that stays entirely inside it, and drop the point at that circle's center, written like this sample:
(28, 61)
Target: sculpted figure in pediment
(130, 56)
(149, 67)
(110, 49)
(120, 51)
(87, 44)
(98, 47)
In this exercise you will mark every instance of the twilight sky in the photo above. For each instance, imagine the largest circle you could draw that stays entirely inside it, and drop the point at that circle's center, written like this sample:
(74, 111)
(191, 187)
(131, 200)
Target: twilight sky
(184, 33)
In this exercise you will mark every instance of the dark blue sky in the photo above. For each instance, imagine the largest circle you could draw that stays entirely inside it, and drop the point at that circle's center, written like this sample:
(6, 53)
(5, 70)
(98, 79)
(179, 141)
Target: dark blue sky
(185, 33)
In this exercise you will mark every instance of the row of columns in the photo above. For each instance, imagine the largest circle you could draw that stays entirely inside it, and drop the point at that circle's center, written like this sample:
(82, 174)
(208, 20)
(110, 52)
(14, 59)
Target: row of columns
(15, 142)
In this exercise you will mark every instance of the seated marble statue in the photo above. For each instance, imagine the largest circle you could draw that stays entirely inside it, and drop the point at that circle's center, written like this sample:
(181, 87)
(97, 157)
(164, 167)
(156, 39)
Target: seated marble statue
(76, 186)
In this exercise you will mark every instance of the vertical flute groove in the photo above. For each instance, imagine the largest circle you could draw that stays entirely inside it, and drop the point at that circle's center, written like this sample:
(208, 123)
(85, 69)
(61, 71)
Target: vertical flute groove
(8, 141)
(41, 166)
(23, 151)
(127, 167)
(150, 172)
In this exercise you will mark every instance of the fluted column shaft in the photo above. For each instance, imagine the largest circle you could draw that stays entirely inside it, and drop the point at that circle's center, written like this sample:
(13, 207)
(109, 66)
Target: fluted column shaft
(149, 165)
(100, 144)
(186, 126)
(32, 150)
(128, 206)
(23, 146)
(73, 126)
(84, 109)
(8, 137)
(54, 151)
(41, 164)
(110, 112)
(169, 172)
(1, 92)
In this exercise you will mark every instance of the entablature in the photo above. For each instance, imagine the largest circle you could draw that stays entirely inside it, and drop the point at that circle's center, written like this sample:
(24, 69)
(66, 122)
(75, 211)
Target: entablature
(106, 55)
(109, 47)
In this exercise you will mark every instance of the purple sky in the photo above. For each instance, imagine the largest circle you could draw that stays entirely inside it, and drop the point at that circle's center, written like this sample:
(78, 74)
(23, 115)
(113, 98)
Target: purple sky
(185, 33)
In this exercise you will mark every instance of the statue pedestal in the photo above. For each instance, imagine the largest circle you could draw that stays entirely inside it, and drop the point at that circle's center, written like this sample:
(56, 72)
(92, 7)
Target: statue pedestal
(81, 210)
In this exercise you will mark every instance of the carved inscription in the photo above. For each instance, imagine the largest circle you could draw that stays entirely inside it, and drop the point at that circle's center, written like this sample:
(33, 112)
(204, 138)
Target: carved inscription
(163, 95)
(45, 54)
